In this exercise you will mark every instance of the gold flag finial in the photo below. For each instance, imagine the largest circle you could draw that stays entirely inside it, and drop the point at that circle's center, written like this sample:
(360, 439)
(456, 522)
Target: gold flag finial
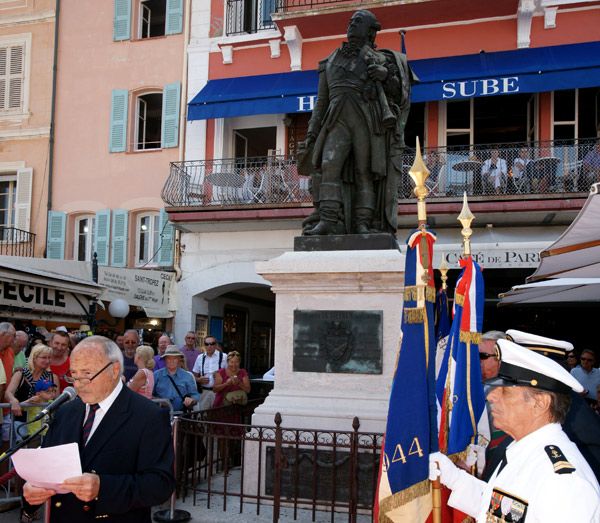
(419, 174)
(465, 218)
(444, 270)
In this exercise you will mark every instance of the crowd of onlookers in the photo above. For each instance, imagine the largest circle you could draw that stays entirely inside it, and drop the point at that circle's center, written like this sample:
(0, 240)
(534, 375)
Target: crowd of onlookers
(192, 377)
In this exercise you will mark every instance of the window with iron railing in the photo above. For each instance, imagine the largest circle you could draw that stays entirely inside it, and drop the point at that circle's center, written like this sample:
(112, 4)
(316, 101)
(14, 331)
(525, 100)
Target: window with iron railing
(249, 16)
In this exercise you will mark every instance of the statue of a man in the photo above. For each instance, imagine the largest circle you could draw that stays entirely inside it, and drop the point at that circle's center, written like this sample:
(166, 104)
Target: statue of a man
(357, 130)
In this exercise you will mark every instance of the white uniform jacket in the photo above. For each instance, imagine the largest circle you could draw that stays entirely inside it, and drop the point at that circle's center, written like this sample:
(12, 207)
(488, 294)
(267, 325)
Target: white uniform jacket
(545, 479)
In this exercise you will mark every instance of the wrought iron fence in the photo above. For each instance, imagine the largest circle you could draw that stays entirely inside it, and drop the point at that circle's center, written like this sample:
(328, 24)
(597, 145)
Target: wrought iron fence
(541, 168)
(15, 242)
(493, 171)
(249, 16)
(236, 181)
(333, 471)
(284, 6)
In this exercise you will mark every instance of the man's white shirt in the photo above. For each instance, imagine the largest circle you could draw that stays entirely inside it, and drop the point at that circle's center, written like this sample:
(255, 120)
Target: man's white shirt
(211, 365)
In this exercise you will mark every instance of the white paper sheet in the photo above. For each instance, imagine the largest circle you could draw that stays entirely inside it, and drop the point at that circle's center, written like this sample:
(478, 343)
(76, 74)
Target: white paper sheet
(48, 467)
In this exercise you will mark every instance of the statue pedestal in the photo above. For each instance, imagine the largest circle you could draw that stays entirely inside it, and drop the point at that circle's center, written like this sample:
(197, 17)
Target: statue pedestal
(360, 281)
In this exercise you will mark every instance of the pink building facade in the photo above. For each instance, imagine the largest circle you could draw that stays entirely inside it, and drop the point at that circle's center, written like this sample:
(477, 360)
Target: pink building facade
(27, 33)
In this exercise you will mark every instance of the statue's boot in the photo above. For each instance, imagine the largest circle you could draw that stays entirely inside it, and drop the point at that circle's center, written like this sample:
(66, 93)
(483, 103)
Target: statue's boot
(330, 212)
(363, 211)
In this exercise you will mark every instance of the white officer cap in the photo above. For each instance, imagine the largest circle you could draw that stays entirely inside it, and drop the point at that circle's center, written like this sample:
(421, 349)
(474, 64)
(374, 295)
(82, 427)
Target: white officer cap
(521, 367)
(554, 349)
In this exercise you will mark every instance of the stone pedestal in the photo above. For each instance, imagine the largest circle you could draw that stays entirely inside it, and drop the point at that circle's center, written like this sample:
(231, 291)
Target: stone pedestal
(333, 281)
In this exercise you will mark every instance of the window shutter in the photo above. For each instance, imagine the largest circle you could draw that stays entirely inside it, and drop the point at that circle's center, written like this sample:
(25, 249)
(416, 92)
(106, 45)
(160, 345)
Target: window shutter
(122, 20)
(267, 7)
(167, 238)
(102, 236)
(11, 76)
(23, 200)
(118, 252)
(118, 120)
(170, 115)
(174, 23)
(55, 244)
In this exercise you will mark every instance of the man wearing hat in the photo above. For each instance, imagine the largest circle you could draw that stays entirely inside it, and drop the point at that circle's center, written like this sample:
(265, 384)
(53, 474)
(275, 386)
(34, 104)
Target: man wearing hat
(174, 382)
(544, 477)
(582, 424)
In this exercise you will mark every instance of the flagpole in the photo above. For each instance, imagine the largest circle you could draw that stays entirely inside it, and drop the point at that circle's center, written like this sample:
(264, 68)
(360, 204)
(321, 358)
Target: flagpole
(465, 218)
(444, 271)
(419, 174)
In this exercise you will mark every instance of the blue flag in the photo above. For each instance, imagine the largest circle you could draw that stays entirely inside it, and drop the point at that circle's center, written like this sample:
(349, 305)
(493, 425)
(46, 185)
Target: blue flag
(411, 431)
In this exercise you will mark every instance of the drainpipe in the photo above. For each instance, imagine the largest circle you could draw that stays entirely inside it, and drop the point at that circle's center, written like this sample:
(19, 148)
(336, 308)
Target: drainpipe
(182, 124)
(52, 116)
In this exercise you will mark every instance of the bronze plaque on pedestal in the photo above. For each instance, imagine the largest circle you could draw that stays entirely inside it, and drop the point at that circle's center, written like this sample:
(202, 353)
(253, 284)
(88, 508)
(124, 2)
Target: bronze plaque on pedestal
(338, 341)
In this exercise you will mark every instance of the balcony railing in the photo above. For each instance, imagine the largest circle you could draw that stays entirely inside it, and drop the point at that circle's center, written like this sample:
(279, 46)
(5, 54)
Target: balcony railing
(516, 171)
(15, 242)
(264, 180)
(249, 16)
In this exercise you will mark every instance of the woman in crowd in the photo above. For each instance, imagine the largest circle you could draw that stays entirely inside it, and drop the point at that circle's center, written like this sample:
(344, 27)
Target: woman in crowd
(143, 380)
(230, 379)
(22, 384)
(572, 359)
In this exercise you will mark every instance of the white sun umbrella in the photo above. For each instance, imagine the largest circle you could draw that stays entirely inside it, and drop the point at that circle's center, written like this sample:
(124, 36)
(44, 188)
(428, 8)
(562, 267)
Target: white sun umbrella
(576, 254)
(558, 290)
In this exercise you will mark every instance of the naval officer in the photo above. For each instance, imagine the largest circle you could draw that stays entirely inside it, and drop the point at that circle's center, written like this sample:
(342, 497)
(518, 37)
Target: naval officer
(544, 476)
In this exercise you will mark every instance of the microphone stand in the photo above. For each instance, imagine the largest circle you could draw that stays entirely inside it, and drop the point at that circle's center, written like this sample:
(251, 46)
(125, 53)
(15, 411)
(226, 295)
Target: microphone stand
(22, 443)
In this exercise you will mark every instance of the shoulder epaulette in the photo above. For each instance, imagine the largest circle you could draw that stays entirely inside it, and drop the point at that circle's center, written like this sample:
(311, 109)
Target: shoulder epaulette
(559, 462)
(322, 64)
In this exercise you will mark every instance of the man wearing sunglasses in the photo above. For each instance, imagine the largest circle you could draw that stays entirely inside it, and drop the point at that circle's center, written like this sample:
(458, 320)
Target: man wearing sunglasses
(124, 443)
(587, 374)
(206, 365)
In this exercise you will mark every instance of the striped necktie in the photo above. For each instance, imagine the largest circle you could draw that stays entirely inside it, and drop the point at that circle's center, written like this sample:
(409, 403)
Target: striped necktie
(89, 422)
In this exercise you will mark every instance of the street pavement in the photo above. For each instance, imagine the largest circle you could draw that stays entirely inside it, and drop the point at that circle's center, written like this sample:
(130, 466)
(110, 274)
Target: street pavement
(216, 514)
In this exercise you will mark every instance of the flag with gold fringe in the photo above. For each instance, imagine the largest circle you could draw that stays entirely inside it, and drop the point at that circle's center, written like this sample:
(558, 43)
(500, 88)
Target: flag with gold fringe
(404, 491)
(462, 416)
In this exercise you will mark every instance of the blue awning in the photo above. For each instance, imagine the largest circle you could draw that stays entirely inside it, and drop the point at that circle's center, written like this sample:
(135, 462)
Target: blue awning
(264, 94)
(454, 77)
(508, 72)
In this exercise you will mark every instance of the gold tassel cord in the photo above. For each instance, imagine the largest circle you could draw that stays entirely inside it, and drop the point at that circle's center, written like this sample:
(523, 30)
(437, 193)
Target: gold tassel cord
(414, 315)
(470, 337)
(419, 292)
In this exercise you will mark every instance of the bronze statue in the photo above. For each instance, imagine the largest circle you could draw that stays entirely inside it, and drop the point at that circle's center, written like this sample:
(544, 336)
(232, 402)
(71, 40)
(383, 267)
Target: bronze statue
(355, 136)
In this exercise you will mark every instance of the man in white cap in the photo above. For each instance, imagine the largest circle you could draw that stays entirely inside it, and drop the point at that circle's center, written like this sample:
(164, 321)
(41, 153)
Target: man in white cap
(582, 424)
(544, 477)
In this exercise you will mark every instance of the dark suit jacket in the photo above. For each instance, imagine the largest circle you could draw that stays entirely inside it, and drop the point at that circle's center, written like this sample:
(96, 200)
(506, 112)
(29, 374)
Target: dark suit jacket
(132, 452)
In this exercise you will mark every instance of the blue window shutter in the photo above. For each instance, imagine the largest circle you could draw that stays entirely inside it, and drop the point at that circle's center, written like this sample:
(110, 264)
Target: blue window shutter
(102, 236)
(55, 244)
(170, 115)
(122, 20)
(118, 250)
(174, 23)
(267, 7)
(167, 239)
(118, 120)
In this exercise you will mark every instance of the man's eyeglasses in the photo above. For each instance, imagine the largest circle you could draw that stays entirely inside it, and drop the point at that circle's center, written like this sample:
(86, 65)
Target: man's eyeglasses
(486, 355)
(210, 343)
(587, 359)
(85, 381)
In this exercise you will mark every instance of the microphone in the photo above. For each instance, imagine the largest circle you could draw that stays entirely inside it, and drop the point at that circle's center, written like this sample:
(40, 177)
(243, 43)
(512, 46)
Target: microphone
(67, 395)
